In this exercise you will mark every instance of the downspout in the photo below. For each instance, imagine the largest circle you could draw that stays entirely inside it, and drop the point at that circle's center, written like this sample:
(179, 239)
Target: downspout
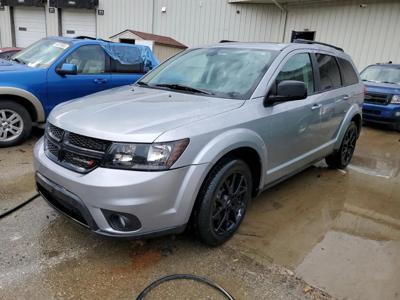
(286, 17)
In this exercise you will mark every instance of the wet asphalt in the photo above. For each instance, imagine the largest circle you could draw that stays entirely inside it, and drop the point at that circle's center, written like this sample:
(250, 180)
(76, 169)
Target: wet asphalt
(319, 235)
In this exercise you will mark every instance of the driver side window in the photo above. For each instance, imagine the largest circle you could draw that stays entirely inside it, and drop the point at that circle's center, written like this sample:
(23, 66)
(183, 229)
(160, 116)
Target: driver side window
(90, 59)
(298, 68)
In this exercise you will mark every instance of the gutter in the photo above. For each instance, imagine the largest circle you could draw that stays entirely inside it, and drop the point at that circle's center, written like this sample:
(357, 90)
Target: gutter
(286, 17)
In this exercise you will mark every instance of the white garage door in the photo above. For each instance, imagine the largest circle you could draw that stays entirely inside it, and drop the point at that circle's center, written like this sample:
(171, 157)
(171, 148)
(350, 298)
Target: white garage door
(78, 22)
(30, 25)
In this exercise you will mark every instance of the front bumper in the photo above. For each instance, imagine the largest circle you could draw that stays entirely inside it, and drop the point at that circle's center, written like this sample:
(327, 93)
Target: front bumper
(383, 114)
(161, 201)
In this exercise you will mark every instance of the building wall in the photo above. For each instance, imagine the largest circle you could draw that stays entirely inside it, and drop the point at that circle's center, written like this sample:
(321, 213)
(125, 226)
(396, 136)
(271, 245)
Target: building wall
(124, 14)
(194, 22)
(368, 34)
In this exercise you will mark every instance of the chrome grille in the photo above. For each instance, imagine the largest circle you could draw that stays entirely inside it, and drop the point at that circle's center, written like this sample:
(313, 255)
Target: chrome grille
(376, 98)
(73, 151)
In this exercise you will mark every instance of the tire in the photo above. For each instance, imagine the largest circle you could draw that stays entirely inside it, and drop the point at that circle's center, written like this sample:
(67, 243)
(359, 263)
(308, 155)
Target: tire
(15, 124)
(342, 157)
(217, 197)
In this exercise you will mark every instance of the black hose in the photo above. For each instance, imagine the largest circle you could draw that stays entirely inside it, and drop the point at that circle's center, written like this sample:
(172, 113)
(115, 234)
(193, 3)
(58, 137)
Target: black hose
(10, 211)
(203, 280)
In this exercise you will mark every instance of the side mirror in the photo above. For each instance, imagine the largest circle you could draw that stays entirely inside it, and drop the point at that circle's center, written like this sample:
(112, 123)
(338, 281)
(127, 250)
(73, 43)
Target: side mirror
(287, 90)
(67, 69)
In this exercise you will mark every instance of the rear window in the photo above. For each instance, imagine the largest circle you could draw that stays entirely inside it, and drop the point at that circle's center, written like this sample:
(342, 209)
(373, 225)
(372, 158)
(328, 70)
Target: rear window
(117, 67)
(349, 75)
(329, 72)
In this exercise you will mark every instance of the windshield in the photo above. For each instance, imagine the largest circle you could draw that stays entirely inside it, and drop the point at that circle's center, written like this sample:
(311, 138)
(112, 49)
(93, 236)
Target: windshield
(221, 72)
(42, 53)
(381, 74)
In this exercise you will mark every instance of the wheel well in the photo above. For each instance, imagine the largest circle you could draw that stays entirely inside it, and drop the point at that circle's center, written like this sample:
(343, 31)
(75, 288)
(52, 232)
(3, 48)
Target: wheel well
(253, 160)
(358, 120)
(24, 102)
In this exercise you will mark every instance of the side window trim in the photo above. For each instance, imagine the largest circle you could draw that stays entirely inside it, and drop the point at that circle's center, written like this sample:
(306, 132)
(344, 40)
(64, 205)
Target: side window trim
(340, 72)
(317, 79)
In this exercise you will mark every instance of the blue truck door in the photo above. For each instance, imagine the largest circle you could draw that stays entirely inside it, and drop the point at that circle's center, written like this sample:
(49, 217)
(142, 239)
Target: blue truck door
(93, 76)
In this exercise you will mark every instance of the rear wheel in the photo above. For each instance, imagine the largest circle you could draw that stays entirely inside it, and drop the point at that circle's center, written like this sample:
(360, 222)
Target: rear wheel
(342, 157)
(222, 201)
(15, 124)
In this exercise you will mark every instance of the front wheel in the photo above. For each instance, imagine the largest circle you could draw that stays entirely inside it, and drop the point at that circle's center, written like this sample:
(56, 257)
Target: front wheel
(15, 124)
(222, 201)
(342, 157)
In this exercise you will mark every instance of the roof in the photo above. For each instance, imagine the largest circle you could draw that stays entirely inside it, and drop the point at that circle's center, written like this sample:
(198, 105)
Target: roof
(278, 46)
(158, 39)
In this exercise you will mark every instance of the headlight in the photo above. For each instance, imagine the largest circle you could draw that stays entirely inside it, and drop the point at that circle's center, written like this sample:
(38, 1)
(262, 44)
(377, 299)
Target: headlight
(395, 99)
(147, 157)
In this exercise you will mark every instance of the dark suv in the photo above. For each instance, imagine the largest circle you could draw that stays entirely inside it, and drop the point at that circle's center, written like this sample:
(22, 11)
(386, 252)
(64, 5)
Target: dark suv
(382, 100)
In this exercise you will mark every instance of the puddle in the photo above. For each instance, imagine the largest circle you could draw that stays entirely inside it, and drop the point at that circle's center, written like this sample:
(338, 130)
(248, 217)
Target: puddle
(337, 230)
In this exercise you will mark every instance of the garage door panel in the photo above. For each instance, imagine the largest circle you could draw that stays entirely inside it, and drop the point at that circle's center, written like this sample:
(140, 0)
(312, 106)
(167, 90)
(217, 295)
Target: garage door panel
(30, 25)
(78, 22)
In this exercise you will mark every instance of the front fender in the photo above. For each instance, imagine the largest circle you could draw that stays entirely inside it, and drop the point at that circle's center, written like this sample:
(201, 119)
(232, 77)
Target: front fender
(5, 90)
(228, 141)
(352, 112)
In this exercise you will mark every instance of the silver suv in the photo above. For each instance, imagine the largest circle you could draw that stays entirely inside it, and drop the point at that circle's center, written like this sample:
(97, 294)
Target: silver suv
(198, 137)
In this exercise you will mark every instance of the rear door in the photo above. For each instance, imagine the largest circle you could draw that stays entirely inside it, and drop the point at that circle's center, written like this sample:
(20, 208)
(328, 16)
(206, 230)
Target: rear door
(334, 98)
(93, 75)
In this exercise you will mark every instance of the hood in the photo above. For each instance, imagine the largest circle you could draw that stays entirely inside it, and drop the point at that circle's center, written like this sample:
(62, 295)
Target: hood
(7, 66)
(135, 114)
(383, 88)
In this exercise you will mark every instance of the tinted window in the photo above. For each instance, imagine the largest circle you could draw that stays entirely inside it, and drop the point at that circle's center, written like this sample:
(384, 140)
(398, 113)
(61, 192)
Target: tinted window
(349, 75)
(90, 59)
(329, 72)
(299, 68)
(117, 67)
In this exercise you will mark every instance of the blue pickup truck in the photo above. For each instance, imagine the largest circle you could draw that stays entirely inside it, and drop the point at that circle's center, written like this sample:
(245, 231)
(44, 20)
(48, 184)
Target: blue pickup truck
(57, 69)
(382, 99)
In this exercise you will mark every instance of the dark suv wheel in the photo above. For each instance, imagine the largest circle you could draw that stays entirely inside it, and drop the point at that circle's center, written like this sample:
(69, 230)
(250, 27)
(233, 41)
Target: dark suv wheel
(342, 157)
(222, 201)
(15, 124)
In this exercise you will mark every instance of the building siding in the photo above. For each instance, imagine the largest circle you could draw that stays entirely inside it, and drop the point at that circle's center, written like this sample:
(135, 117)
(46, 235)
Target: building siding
(368, 34)
(196, 22)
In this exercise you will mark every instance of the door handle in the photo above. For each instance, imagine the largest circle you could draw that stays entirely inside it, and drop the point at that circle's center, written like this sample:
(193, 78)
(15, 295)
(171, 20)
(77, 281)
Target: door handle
(100, 80)
(316, 106)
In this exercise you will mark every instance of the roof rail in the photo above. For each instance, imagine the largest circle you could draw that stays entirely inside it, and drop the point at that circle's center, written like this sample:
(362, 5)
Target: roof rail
(303, 41)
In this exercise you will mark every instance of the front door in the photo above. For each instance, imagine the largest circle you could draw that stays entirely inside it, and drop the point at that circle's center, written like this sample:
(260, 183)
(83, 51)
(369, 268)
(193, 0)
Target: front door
(292, 125)
(93, 76)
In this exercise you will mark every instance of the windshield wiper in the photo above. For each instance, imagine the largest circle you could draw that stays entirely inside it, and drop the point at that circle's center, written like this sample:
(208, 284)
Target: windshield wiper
(141, 83)
(19, 61)
(180, 87)
(389, 82)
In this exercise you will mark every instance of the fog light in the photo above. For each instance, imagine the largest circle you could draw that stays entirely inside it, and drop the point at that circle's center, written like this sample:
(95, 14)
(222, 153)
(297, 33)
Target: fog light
(122, 221)
(397, 114)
